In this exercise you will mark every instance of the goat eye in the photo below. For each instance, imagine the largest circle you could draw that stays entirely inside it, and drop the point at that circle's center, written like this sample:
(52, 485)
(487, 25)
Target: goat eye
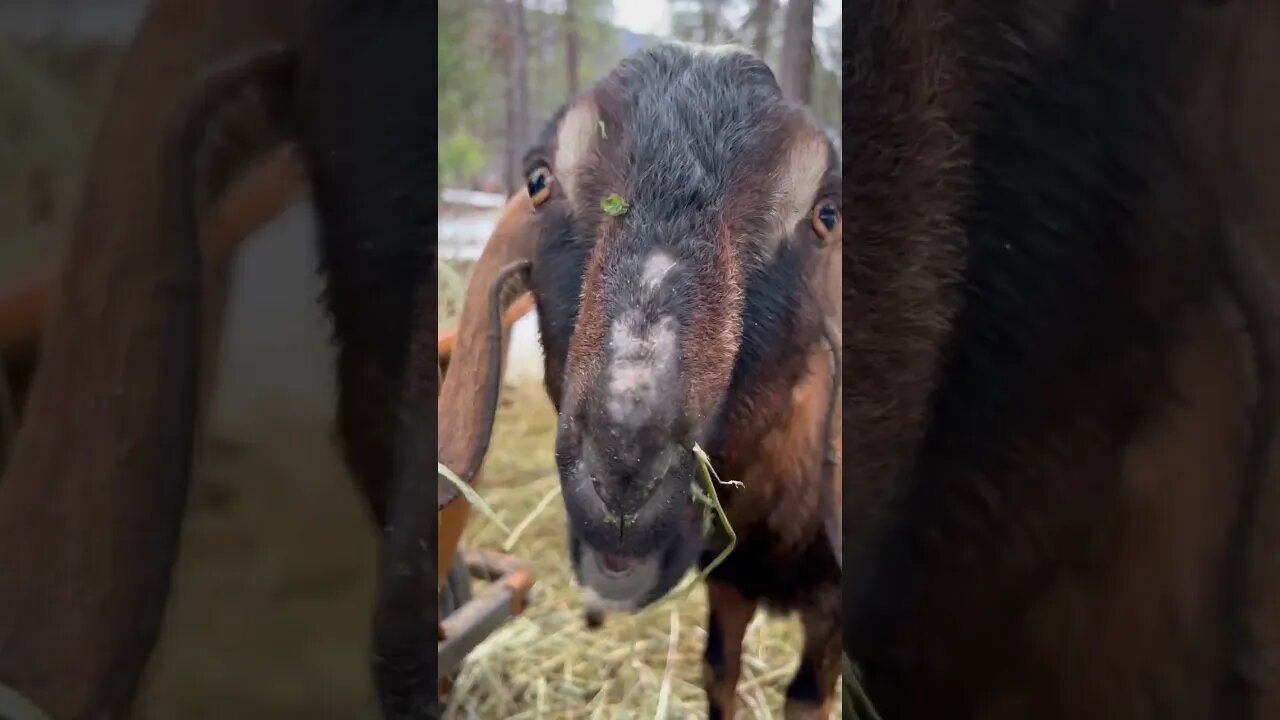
(539, 185)
(826, 218)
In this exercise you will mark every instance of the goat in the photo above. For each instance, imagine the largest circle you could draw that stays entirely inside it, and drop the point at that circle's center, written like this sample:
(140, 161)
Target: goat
(700, 315)
(1060, 374)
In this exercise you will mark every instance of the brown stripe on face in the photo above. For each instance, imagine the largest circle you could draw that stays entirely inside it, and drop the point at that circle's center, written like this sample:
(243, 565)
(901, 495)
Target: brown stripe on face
(766, 206)
(587, 346)
(709, 341)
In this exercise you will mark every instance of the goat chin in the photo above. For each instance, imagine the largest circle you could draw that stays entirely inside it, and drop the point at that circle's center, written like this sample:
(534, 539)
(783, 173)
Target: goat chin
(599, 605)
(648, 580)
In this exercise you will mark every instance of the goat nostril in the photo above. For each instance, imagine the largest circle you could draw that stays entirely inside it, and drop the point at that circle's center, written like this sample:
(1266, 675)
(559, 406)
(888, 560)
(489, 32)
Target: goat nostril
(606, 497)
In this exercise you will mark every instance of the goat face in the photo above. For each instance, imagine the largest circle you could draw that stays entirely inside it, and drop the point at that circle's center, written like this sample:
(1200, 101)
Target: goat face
(647, 315)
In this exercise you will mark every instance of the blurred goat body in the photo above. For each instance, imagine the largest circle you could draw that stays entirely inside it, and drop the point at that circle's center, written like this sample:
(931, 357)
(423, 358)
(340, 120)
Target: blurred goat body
(1062, 500)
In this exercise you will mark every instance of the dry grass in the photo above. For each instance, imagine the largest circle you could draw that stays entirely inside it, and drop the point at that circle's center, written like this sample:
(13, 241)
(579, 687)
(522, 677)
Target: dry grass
(451, 286)
(547, 663)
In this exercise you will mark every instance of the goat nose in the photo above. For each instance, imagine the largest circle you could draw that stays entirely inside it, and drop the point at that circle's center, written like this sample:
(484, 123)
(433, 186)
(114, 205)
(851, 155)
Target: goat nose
(618, 492)
(623, 480)
(612, 500)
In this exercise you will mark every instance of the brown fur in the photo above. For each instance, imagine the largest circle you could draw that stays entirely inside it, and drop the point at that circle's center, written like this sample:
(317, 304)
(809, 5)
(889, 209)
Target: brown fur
(783, 498)
(903, 305)
(274, 183)
(780, 470)
(585, 360)
(1163, 529)
(1236, 112)
(732, 613)
(711, 338)
(1098, 574)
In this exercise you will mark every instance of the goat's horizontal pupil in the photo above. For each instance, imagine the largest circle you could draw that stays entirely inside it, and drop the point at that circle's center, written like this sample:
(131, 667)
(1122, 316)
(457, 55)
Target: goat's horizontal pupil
(827, 215)
(537, 181)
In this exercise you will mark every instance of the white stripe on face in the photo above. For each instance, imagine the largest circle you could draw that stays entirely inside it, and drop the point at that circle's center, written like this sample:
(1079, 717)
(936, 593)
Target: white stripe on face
(799, 176)
(574, 142)
(656, 268)
(642, 368)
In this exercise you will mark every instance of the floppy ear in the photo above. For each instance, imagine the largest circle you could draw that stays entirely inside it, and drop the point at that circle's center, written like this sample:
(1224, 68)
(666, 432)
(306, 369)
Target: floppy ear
(447, 339)
(238, 162)
(469, 392)
(242, 112)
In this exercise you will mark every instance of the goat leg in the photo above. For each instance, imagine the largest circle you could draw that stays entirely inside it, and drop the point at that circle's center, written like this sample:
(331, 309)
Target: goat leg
(730, 613)
(814, 684)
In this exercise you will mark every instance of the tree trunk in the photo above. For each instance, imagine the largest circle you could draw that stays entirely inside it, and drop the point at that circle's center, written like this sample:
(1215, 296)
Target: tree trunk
(521, 52)
(710, 21)
(513, 40)
(797, 51)
(571, 47)
(505, 43)
(760, 19)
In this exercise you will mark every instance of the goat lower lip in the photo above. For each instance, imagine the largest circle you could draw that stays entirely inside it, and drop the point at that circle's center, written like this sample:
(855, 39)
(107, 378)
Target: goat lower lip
(616, 565)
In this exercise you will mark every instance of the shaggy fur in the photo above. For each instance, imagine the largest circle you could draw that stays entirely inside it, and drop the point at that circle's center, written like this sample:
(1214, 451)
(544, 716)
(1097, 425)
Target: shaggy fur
(1051, 379)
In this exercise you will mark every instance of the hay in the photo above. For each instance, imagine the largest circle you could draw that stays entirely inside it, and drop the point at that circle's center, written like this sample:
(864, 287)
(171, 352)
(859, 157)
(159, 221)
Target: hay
(473, 497)
(547, 663)
(451, 287)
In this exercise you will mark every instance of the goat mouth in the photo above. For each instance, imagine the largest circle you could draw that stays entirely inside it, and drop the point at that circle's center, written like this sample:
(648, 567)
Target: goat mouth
(622, 580)
(616, 566)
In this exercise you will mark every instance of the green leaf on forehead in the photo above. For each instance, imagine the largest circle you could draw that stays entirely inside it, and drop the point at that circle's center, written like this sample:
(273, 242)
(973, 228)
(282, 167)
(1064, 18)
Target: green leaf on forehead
(614, 205)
